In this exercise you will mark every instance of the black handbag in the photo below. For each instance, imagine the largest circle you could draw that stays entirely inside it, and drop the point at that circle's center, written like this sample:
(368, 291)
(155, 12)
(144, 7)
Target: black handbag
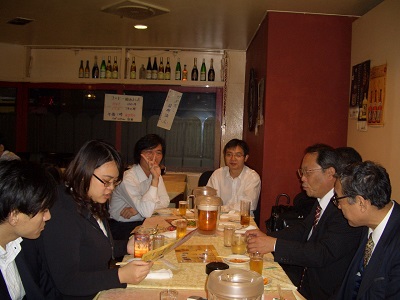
(283, 216)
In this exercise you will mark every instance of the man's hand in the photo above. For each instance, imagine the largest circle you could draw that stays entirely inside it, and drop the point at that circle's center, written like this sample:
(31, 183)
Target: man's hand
(259, 242)
(128, 212)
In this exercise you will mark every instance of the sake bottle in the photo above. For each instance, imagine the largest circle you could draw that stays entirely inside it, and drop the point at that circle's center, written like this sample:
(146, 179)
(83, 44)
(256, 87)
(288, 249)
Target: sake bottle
(178, 71)
(87, 70)
(211, 72)
(184, 73)
(115, 69)
(81, 70)
(108, 68)
(161, 70)
(195, 72)
(103, 69)
(148, 69)
(95, 70)
(133, 69)
(154, 71)
(203, 71)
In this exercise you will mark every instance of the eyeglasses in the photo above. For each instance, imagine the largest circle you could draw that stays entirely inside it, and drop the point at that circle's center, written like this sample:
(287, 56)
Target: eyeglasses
(108, 183)
(236, 155)
(335, 199)
(302, 172)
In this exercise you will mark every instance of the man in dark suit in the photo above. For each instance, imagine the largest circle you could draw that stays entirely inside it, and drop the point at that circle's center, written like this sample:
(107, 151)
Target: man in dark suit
(316, 252)
(363, 192)
(26, 193)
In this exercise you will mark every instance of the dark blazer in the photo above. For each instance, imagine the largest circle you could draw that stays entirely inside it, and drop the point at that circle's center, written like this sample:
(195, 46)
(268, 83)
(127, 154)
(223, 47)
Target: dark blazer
(32, 290)
(381, 277)
(327, 254)
(74, 253)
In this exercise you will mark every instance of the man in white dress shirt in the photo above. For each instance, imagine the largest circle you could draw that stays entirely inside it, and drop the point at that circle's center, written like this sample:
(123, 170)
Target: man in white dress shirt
(27, 192)
(142, 189)
(236, 181)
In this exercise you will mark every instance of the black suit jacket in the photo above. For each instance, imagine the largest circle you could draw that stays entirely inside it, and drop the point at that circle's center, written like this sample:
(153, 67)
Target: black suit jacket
(327, 254)
(32, 290)
(381, 277)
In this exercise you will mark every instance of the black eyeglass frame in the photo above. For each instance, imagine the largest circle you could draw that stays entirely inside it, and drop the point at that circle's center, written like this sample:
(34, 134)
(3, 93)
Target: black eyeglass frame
(107, 183)
(335, 199)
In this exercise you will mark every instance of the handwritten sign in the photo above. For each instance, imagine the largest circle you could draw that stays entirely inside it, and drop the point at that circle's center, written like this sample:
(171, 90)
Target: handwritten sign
(123, 108)
(168, 112)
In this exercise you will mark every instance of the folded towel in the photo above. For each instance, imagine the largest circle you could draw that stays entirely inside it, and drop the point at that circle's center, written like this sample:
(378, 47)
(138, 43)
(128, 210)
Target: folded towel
(243, 230)
(160, 274)
(169, 234)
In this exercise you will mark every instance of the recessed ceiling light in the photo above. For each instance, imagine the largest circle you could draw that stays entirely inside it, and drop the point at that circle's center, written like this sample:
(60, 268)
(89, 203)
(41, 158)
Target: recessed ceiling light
(140, 26)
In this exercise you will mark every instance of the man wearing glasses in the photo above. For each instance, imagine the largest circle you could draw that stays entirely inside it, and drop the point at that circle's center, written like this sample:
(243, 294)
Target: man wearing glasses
(363, 192)
(316, 252)
(236, 181)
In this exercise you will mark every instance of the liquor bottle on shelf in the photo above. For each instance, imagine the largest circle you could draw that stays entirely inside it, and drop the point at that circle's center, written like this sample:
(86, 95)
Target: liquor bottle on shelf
(154, 71)
(370, 111)
(103, 69)
(87, 70)
(203, 71)
(115, 69)
(95, 70)
(161, 70)
(142, 72)
(211, 72)
(184, 73)
(81, 70)
(108, 68)
(178, 71)
(167, 74)
(195, 72)
(148, 69)
(133, 69)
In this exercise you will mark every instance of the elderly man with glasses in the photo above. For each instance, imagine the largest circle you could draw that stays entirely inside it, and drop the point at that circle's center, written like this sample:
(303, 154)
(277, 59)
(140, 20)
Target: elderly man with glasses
(363, 192)
(316, 252)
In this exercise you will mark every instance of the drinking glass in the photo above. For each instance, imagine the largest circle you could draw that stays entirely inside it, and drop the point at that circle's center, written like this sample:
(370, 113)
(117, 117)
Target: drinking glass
(183, 206)
(245, 212)
(256, 262)
(181, 226)
(238, 243)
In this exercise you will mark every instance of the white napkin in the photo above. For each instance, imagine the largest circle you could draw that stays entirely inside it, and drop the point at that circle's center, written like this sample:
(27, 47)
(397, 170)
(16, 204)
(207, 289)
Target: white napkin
(160, 274)
(169, 234)
(243, 230)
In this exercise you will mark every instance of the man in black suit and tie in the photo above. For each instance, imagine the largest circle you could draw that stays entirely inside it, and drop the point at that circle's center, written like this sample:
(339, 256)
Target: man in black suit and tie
(314, 253)
(363, 192)
(26, 193)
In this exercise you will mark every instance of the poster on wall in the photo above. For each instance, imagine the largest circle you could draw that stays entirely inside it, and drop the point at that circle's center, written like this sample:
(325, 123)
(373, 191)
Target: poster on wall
(377, 91)
(123, 108)
(359, 91)
(169, 110)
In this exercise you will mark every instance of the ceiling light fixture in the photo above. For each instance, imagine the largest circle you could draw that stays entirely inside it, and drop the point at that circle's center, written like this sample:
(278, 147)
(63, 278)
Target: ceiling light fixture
(139, 26)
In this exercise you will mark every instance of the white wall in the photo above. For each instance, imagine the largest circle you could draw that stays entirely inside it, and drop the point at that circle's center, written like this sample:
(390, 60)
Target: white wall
(376, 37)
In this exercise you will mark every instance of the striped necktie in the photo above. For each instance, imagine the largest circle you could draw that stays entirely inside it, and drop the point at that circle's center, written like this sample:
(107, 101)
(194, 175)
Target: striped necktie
(368, 249)
(317, 215)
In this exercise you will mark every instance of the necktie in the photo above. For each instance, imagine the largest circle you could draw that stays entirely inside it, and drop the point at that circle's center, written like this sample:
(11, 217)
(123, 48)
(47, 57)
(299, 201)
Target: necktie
(316, 220)
(368, 249)
(317, 215)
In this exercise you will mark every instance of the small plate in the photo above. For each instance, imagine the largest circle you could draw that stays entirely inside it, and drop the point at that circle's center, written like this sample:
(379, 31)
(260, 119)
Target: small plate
(236, 259)
(164, 212)
(191, 223)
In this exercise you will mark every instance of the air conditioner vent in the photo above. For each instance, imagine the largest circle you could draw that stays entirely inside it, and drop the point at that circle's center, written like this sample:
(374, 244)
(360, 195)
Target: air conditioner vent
(135, 10)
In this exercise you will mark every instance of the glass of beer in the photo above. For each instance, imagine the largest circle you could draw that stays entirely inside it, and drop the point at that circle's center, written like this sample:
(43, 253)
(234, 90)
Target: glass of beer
(181, 226)
(183, 206)
(142, 244)
(245, 212)
(256, 262)
(238, 244)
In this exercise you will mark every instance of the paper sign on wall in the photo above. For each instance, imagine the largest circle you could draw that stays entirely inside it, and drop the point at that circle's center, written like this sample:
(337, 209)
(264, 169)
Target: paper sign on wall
(168, 112)
(123, 108)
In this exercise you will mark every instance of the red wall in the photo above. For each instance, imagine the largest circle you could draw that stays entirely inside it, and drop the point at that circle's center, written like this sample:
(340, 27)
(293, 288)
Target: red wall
(305, 60)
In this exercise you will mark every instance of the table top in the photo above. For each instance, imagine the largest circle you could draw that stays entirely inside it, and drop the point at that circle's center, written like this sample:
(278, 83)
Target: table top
(175, 177)
(189, 278)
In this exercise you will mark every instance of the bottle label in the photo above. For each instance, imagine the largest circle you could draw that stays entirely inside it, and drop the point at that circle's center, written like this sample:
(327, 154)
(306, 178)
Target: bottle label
(203, 76)
(133, 74)
(160, 75)
(177, 75)
(148, 74)
(167, 76)
(115, 74)
(154, 74)
(102, 73)
(108, 74)
(80, 73)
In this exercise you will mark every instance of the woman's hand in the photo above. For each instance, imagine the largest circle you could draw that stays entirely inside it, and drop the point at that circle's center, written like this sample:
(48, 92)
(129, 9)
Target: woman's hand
(134, 272)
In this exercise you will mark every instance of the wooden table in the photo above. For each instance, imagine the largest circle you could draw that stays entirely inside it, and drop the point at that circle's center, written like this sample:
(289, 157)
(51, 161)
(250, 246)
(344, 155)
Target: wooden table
(189, 279)
(175, 177)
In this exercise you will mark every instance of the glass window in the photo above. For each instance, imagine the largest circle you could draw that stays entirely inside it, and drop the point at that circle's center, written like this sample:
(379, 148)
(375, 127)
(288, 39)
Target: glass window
(8, 98)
